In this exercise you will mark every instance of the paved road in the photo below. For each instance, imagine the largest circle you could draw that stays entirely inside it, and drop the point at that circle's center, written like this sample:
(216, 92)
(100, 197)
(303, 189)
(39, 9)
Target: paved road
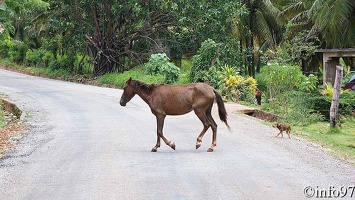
(81, 144)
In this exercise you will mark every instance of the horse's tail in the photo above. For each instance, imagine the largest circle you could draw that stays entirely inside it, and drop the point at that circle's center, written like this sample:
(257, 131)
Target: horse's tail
(221, 109)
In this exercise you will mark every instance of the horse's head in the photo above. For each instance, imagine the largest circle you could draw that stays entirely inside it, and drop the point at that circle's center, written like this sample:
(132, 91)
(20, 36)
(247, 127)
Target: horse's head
(128, 93)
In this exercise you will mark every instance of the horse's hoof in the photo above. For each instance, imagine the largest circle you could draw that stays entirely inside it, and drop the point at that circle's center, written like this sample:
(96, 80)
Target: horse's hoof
(153, 150)
(209, 150)
(198, 146)
(172, 145)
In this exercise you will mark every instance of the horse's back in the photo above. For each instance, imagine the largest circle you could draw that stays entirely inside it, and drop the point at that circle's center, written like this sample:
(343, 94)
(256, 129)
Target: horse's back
(181, 99)
(192, 90)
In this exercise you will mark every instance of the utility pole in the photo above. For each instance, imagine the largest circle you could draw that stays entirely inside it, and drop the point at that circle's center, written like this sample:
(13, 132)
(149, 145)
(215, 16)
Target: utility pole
(336, 93)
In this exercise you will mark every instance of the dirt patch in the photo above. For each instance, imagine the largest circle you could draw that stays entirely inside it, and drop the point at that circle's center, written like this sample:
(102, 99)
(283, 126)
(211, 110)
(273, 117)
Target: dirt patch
(10, 134)
(266, 116)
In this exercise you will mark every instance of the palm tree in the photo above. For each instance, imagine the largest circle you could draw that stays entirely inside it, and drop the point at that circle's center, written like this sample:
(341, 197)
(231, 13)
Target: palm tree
(333, 20)
(294, 16)
(256, 28)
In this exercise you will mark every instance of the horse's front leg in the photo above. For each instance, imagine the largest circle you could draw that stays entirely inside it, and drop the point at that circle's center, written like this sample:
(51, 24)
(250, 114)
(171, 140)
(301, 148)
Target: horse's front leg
(160, 124)
(154, 149)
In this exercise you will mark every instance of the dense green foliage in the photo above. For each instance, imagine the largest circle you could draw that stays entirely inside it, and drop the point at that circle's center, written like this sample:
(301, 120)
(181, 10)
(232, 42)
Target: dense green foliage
(346, 104)
(214, 55)
(289, 92)
(160, 64)
(114, 36)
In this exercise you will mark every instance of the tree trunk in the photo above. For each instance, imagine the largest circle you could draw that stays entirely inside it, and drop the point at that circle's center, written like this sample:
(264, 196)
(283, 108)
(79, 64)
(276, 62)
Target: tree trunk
(258, 63)
(213, 61)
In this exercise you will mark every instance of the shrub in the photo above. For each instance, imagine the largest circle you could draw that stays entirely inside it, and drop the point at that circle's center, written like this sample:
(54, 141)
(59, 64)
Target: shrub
(83, 66)
(279, 80)
(67, 61)
(5, 43)
(17, 51)
(212, 56)
(47, 58)
(301, 109)
(159, 64)
(201, 62)
(235, 87)
(55, 65)
(346, 104)
(35, 57)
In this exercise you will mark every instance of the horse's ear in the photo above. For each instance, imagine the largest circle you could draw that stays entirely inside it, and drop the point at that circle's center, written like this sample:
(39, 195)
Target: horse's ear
(129, 80)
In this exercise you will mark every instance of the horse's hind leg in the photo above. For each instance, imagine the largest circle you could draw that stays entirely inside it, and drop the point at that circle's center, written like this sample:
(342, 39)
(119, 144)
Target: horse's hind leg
(160, 124)
(201, 114)
(214, 129)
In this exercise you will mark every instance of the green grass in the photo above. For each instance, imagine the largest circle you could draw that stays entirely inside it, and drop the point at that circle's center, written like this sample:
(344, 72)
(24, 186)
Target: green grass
(37, 71)
(340, 140)
(136, 73)
(139, 73)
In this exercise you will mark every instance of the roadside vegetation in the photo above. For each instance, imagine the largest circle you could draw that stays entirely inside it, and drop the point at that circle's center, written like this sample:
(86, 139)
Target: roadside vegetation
(2, 118)
(238, 47)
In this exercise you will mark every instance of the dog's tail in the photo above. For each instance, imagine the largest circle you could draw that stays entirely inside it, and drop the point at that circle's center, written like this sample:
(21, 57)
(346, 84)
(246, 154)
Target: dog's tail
(221, 109)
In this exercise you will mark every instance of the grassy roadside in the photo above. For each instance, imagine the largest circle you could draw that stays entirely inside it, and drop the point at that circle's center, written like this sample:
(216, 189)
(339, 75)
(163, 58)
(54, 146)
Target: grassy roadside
(36, 71)
(2, 118)
(340, 141)
(119, 80)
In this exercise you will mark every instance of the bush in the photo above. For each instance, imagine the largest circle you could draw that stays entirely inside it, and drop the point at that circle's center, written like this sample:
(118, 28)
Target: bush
(235, 87)
(5, 43)
(55, 65)
(67, 61)
(301, 109)
(85, 67)
(17, 51)
(346, 104)
(47, 58)
(279, 80)
(35, 57)
(212, 56)
(201, 62)
(159, 64)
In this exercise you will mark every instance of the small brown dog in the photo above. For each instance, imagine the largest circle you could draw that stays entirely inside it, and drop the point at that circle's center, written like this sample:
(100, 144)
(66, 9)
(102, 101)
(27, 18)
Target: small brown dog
(282, 128)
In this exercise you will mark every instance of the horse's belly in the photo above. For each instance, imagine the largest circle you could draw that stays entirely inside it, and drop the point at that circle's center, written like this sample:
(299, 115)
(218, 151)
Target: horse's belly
(178, 109)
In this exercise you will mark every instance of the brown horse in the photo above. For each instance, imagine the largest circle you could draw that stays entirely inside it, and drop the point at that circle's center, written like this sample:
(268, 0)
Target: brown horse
(178, 100)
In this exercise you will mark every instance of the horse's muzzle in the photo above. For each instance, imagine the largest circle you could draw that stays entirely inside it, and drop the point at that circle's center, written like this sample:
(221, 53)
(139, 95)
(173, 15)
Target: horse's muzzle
(122, 103)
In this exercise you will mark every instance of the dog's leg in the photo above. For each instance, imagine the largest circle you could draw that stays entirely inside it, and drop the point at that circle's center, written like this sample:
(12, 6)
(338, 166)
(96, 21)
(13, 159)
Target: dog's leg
(278, 134)
(288, 132)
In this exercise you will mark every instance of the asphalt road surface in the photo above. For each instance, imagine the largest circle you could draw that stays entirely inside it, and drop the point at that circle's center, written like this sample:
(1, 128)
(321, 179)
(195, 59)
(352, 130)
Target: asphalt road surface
(81, 144)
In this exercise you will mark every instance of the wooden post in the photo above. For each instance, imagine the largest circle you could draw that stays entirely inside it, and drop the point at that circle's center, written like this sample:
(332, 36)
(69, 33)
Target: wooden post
(336, 93)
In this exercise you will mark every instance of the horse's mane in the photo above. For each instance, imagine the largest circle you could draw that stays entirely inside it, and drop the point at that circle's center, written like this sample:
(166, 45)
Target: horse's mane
(143, 86)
